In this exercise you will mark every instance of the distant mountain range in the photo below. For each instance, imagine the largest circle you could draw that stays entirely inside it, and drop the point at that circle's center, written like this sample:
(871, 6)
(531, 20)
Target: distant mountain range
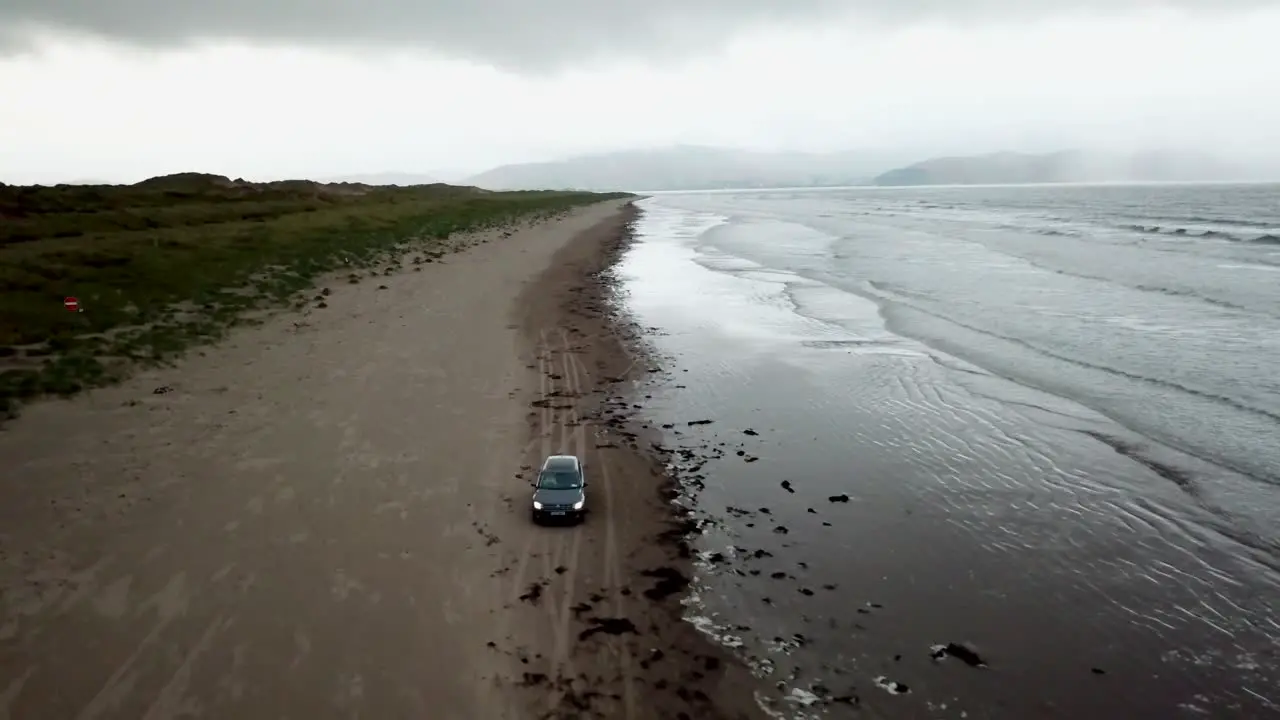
(689, 167)
(1065, 166)
(694, 167)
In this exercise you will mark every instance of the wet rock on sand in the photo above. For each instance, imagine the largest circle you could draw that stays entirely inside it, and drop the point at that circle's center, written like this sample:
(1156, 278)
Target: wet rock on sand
(609, 626)
(891, 687)
(533, 678)
(533, 595)
(960, 652)
(670, 582)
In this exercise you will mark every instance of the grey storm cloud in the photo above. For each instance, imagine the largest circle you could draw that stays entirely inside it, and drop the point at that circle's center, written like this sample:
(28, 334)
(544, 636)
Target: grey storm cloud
(531, 35)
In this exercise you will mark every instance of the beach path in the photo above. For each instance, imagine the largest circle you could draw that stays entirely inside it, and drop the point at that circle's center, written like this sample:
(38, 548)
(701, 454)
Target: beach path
(309, 520)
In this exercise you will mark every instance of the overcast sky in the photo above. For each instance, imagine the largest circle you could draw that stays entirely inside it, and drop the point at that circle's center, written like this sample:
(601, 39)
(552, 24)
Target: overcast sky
(265, 89)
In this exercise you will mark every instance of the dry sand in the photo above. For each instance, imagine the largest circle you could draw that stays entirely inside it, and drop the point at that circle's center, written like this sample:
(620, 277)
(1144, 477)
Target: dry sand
(322, 516)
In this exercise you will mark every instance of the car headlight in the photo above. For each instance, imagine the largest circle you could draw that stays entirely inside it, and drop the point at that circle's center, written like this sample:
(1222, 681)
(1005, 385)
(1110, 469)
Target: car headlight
(578, 505)
(537, 505)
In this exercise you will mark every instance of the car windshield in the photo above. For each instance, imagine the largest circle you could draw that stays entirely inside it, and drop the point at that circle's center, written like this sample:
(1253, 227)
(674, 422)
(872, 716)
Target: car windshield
(559, 480)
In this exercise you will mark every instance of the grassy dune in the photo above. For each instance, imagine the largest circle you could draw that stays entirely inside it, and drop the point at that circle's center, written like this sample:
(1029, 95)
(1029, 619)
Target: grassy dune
(173, 261)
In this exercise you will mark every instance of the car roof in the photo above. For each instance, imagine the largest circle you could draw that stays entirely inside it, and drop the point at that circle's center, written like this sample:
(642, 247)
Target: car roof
(561, 462)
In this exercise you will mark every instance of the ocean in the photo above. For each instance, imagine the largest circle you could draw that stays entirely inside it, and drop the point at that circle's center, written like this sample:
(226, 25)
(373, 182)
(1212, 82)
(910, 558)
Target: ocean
(977, 452)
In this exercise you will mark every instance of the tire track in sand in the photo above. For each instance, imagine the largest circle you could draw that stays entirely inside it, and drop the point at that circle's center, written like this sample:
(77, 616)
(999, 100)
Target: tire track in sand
(512, 577)
(534, 542)
(614, 578)
(555, 434)
(573, 438)
(483, 516)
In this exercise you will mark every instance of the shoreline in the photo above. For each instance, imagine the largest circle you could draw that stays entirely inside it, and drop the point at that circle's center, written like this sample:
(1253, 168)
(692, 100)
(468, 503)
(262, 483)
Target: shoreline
(924, 527)
(632, 563)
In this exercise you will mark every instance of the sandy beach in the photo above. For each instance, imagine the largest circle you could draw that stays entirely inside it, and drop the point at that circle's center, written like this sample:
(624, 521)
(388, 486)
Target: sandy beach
(327, 515)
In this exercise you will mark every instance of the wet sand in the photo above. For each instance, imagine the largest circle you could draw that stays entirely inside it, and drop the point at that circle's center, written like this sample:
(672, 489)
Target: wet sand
(326, 515)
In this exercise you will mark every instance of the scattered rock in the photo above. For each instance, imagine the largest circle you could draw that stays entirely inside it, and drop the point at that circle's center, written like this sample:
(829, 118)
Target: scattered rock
(670, 582)
(841, 498)
(960, 652)
(786, 485)
(691, 423)
(891, 687)
(530, 679)
(533, 595)
(749, 431)
(163, 389)
(609, 626)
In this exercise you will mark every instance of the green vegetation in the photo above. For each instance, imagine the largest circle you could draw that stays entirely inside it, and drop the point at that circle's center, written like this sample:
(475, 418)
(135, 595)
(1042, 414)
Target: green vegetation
(177, 260)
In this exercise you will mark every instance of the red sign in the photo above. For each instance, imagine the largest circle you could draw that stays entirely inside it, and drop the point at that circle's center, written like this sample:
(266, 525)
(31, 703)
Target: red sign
(71, 304)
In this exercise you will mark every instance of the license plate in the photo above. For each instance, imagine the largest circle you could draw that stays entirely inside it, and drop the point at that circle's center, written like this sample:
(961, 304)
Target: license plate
(558, 512)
